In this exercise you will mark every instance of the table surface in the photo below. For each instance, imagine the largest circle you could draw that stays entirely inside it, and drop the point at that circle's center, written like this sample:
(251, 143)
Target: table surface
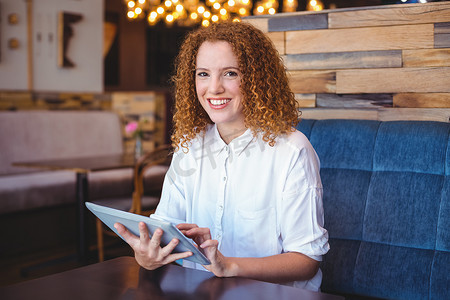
(83, 164)
(122, 278)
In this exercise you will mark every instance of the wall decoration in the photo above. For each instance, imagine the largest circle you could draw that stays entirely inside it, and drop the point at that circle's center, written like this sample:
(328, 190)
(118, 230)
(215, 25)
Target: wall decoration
(13, 19)
(13, 43)
(65, 33)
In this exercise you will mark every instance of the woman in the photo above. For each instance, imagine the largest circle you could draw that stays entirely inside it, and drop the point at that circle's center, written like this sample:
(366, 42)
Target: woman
(243, 183)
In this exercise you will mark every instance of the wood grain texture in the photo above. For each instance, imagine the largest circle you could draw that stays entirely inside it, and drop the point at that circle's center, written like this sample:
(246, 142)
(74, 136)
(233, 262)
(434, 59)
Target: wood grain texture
(277, 39)
(328, 113)
(426, 58)
(419, 114)
(306, 100)
(354, 101)
(299, 22)
(442, 35)
(260, 23)
(387, 15)
(381, 114)
(403, 80)
(360, 39)
(442, 27)
(442, 40)
(344, 60)
(425, 100)
(307, 82)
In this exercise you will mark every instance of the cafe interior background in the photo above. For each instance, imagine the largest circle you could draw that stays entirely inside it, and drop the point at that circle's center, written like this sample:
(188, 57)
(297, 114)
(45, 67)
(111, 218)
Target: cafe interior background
(116, 55)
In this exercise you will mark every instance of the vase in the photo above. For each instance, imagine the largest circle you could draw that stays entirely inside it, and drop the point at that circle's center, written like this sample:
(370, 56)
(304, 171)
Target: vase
(138, 151)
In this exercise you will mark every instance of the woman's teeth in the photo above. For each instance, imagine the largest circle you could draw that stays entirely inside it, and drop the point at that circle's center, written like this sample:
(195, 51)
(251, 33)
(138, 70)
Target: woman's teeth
(219, 102)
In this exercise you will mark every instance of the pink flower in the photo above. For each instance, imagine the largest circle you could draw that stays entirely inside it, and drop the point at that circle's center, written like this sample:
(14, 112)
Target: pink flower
(131, 127)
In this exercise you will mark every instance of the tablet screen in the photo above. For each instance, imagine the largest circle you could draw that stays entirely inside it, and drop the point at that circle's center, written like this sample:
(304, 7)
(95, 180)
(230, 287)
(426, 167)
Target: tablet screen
(110, 216)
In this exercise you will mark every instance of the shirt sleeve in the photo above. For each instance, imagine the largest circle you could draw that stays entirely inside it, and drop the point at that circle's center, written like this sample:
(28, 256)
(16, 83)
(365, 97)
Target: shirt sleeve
(301, 210)
(172, 205)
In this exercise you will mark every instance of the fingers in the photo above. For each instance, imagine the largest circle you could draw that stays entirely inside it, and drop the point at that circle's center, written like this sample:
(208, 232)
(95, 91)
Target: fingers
(198, 231)
(186, 226)
(165, 251)
(183, 227)
(130, 238)
(155, 241)
(209, 243)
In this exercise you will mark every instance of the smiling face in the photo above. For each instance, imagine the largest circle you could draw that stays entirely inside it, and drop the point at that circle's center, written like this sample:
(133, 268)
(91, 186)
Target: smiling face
(217, 83)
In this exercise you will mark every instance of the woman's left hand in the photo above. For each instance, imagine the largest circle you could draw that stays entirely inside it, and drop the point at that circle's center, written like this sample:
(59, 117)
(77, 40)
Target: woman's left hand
(202, 237)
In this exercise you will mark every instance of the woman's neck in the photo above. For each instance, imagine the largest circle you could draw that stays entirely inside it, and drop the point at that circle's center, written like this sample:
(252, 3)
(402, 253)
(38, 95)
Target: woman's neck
(229, 134)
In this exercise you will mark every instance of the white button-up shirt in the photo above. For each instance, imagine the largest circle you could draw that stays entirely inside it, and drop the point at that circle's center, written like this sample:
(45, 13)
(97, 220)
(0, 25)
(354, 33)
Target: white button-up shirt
(257, 200)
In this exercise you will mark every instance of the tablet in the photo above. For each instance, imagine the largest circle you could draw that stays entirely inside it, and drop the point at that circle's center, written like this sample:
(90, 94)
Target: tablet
(110, 216)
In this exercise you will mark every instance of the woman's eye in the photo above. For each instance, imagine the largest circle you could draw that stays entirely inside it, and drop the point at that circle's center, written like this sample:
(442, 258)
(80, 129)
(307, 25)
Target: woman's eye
(202, 74)
(231, 74)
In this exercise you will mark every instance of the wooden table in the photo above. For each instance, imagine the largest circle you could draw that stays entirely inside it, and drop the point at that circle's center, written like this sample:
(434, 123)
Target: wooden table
(83, 166)
(122, 278)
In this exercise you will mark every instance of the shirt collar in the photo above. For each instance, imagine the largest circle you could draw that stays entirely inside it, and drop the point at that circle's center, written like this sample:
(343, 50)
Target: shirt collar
(237, 145)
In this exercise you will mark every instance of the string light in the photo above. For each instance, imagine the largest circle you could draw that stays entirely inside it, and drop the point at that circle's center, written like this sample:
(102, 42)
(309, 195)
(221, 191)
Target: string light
(190, 12)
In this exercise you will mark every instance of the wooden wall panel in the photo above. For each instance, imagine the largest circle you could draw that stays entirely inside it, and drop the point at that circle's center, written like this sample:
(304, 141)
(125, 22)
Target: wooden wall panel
(298, 22)
(312, 81)
(442, 35)
(384, 62)
(426, 100)
(360, 39)
(344, 60)
(277, 39)
(391, 15)
(419, 80)
(355, 101)
(326, 113)
(260, 23)
(421, 114)
(426, 58)
(306, 100)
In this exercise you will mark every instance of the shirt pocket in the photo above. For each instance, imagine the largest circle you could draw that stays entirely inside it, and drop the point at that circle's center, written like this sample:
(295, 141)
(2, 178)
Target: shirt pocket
(256, 234)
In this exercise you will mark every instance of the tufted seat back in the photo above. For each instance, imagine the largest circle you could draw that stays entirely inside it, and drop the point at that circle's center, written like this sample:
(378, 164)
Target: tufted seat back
(387, 206)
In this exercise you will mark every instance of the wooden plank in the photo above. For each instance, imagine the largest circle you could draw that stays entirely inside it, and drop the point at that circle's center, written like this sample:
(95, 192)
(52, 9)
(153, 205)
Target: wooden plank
(299, 22)
(260, 23)
(442, 27)
(442, 40)
(344, 60)
(419, 114)
(401, 80)
(360, 39)
(442, 35)
(306, 100)
(426, 58)
(325, 113)
(425, 100)
(277, 39)
(387, 15)
(307, 82)
(354, 101)
(381, 114)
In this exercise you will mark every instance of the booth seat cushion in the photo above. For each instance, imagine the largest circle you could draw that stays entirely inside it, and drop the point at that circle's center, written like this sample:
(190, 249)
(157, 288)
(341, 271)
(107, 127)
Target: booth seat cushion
(40, 189)
(43, 189)
(110, 184)
(386, 205)
(40, 135)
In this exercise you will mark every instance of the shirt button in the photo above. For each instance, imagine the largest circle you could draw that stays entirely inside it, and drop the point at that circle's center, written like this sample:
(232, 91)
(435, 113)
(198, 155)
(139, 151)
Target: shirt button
(221, 207)
(224, 178)
(218, 236)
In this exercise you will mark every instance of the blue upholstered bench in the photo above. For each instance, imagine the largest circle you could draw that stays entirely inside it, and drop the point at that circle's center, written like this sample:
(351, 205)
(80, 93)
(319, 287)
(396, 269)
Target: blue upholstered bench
(387, 207)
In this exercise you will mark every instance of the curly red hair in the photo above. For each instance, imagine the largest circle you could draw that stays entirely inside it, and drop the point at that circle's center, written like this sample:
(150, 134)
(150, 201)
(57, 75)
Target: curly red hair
(268, 103)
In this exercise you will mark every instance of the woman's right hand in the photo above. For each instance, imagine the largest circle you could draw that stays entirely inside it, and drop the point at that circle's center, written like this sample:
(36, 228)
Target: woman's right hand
(148, 251)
